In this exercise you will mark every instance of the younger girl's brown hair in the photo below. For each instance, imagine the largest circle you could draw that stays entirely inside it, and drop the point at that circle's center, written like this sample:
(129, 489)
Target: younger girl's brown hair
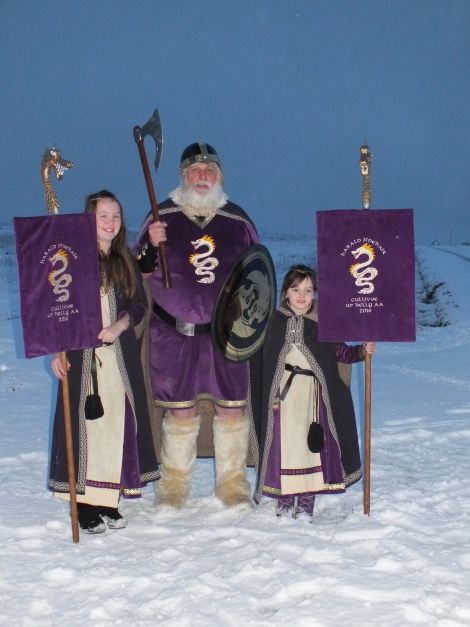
(294, 276)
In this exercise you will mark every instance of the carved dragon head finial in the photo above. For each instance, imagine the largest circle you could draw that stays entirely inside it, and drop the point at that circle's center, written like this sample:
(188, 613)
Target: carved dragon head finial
(365, 162)
(52, 158)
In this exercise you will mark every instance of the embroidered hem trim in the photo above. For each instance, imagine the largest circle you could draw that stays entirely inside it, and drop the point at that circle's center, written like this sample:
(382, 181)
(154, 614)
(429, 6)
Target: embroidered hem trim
(64, 487)
(103, 484)
(301, 471)
(200, 397)
(353, 477)
(154, 475)
(132, 491)
(332, 487)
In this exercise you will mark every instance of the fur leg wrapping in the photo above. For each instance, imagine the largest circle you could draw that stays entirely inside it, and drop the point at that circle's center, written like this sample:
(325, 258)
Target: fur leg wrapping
(178, 454)
(231, 450)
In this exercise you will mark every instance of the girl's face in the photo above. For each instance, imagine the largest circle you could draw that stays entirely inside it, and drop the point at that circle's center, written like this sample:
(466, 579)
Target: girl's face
(108, 222)
(300, 297)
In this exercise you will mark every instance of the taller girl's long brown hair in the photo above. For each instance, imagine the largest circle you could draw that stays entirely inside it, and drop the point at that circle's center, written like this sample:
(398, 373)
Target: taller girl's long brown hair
(115, 267)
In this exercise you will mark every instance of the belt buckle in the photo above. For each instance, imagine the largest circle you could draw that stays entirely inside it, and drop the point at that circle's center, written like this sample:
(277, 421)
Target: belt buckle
(185, 328)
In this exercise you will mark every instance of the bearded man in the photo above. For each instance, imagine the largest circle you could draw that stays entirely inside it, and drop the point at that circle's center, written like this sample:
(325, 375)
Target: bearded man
(204, 233)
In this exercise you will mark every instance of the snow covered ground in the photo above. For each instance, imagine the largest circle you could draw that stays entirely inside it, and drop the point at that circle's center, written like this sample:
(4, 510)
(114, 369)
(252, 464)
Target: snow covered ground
(408, 563)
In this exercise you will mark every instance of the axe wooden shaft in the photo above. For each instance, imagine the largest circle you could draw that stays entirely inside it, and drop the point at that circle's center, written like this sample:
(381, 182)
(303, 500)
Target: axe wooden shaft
(153, 204)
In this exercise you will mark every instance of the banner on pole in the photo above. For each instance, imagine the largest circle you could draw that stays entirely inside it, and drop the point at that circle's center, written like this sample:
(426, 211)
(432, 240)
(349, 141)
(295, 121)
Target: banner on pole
(366, 275)
(59, 282)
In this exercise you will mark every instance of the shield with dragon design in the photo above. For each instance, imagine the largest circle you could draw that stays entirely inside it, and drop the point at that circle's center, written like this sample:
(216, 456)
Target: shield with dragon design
(244, 305)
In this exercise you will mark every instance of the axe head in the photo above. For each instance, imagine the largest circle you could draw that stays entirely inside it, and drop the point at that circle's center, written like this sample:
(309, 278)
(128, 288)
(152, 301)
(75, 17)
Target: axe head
(153, 128)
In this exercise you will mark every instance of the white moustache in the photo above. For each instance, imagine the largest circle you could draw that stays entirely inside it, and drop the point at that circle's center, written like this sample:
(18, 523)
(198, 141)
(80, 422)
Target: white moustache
(191, 200)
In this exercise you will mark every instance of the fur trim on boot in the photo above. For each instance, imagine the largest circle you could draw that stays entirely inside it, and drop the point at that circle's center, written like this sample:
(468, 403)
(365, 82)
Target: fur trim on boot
(231, 450)
(179, 436)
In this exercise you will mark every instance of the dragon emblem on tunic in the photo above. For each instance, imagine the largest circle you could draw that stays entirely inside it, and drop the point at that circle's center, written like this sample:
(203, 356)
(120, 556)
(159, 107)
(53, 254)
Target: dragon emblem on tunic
(364, 274)
(202, 261)
(52, 158)
(57, 278)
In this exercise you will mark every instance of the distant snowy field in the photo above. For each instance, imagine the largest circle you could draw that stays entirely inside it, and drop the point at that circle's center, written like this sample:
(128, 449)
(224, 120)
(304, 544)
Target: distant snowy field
(408, 563)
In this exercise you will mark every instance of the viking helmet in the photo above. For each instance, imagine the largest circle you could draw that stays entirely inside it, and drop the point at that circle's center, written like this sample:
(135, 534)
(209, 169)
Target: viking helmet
(199, 152)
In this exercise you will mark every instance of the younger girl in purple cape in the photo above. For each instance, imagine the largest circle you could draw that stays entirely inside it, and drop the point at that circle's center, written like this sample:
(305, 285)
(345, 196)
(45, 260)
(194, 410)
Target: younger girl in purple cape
(114, 454)
(294, 382)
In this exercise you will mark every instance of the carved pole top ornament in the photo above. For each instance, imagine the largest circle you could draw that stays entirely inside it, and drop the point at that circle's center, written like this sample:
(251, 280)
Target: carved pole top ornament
(52, 158)
(365, 164)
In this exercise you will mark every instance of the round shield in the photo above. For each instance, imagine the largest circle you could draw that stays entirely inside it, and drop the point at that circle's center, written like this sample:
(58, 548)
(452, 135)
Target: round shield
(244, 304)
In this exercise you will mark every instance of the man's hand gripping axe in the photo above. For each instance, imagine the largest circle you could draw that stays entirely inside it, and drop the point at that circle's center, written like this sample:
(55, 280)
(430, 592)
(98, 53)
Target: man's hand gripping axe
(153, 128)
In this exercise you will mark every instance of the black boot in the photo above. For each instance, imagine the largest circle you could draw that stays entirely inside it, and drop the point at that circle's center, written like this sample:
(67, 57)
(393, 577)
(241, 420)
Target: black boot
(89, 518)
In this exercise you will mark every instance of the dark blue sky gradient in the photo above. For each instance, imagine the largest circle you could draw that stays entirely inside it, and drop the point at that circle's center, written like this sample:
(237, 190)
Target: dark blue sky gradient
(285, 90)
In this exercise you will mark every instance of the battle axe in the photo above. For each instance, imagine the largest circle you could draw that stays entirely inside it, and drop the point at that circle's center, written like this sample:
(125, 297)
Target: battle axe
(153, 128)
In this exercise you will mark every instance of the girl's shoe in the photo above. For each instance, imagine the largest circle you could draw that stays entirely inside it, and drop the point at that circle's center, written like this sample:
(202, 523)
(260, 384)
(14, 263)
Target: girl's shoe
(112, 517)
(89, 518)
(304, 507)
(284, 505)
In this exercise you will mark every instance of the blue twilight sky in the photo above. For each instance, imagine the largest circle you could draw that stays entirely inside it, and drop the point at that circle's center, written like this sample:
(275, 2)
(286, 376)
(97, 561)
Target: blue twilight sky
(286, 91)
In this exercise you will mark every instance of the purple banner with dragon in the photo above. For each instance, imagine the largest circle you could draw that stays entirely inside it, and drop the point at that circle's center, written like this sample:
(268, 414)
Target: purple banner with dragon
(59, 282)
(366, 275)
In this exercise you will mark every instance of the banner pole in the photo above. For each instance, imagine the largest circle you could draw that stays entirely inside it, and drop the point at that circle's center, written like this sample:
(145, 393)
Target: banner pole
(365, 166)
(52, 159)
(69, 450)
(367, 431)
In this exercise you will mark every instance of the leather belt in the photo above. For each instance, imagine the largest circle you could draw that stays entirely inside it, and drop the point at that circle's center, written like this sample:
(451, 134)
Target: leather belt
(293, 371)
(185, 328)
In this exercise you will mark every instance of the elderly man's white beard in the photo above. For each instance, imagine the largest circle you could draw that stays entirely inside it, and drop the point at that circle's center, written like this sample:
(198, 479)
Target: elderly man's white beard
(198, 204)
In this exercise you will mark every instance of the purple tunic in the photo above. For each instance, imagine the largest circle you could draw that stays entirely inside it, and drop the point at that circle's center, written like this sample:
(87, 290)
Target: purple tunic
(184, 369)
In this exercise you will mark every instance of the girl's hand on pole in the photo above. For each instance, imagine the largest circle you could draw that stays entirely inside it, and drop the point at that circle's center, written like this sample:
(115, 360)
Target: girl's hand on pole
(109, 334)
(57, 366)
(369, 347)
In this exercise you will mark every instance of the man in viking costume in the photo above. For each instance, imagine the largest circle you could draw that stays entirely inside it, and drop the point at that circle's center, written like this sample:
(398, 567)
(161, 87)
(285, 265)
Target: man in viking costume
(204, 233)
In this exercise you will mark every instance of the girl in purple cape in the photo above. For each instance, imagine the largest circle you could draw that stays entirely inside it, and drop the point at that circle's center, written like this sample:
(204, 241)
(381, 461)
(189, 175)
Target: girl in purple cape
(114, 452)
(302, 409)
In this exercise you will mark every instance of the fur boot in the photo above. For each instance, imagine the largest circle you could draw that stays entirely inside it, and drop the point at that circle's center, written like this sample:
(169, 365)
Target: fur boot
(178, 455)
(231, 449)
